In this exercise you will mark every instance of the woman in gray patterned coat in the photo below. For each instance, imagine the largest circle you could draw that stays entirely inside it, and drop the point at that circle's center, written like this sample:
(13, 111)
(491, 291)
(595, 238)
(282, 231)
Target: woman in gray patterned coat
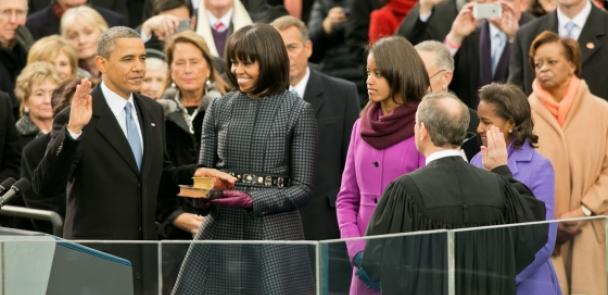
(266, 137)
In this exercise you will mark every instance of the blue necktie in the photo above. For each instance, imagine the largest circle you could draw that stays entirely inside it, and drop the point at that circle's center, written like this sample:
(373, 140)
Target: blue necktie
(570, 26)
(497, 52)
(133, 135)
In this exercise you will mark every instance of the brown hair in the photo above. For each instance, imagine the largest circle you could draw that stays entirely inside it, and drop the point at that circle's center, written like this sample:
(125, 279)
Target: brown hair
(511, 104)
(262, 43)
(570, 48)
(48, 48)
(402, 67)
(193, 38)
(62, 96)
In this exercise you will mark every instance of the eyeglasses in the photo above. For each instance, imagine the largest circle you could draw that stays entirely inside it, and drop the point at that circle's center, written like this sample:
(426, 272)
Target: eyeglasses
(18, 14)
(437, 73)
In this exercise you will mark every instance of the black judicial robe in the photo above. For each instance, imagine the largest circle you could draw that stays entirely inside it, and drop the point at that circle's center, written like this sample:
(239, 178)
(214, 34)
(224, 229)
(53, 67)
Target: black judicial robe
(448, 194)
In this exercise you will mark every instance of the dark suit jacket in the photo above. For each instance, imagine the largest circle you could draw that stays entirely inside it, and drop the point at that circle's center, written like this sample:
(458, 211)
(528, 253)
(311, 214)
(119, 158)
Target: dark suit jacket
(593, 43)
(435, 28)
(117, 6)
(473, 64)
(255, 6)
(44, 22)
(107, 197)
(10, 153)
(336, 106)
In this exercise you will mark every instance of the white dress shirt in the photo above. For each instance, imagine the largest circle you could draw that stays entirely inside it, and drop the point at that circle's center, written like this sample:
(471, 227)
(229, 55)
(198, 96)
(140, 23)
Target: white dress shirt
(300, 88)
(444, 154)
(579, 20)
(117, 106)
(225, 20)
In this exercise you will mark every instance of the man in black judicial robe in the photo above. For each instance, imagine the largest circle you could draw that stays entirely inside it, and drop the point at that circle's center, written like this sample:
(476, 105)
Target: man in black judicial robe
(447, 194)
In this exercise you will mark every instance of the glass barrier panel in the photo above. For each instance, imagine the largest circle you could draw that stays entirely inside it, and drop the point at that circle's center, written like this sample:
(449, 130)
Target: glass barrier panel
(406, 263)
(143, 258)
(238, 267)
(549, 257)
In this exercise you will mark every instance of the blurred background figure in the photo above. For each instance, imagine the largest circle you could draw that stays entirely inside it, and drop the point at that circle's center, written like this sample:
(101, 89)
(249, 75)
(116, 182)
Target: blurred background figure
(439, 65)
(15, 41)
(35, 86)
(218, 19)
(572, 124)
(193, 85)
(10, 151)
(539, 8)
(506, 107)
(385, 21)
(327, 32)
(56, 50)
(580, 20)
(82, 26)
(155, 79)
(46, 21)
(169, 17)
(382, 145)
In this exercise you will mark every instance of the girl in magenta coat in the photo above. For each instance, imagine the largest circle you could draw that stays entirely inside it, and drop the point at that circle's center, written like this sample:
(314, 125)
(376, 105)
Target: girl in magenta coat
(382, 145)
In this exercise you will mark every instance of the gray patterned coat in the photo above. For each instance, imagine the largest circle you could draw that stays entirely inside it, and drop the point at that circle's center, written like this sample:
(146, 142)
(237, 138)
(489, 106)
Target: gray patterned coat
(273, 135)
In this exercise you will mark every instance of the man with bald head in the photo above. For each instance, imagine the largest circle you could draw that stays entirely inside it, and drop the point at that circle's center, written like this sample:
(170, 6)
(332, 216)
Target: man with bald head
(449, 193)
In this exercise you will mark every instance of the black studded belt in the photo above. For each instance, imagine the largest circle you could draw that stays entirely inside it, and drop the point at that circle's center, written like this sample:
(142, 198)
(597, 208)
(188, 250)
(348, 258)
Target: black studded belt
(261, 180)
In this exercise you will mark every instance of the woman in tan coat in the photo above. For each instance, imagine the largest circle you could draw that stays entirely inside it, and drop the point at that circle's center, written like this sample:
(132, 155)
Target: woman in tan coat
(572, 125)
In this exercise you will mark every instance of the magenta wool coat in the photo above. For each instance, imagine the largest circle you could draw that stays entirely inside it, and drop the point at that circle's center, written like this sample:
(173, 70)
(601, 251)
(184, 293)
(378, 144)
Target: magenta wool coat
(367, 173)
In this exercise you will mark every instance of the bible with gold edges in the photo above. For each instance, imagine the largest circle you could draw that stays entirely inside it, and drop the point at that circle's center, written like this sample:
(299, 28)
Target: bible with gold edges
(199, 189)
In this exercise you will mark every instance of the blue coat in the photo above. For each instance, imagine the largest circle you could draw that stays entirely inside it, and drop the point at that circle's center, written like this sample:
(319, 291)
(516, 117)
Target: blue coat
(536, 172)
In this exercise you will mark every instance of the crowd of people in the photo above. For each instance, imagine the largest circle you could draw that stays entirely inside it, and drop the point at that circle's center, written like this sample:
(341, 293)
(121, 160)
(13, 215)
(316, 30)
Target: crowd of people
(319, 119)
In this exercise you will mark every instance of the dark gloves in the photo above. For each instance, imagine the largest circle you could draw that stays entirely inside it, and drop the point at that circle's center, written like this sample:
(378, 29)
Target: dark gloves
(227, 198)
(361, 274)
(233, 198)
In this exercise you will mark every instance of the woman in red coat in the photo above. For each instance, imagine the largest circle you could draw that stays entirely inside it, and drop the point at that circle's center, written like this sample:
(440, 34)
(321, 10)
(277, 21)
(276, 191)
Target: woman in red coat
(385, 21)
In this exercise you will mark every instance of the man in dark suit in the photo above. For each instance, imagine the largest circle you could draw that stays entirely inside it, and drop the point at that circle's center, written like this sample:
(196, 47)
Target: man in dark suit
(430, 20)
(15, 41)
(257, 6)
(439, 65)
(9, 146)
(449, 193)
(109, 156)
(481, 48)
(46, 21)
(589, 28)
(336, 106)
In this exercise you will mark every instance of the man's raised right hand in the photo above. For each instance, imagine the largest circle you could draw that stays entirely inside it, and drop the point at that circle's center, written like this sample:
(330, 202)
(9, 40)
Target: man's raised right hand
(81, 107)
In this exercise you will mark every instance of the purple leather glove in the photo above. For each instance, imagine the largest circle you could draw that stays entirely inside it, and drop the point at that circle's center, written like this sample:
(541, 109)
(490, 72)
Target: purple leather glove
(233, 198)
(204, 203)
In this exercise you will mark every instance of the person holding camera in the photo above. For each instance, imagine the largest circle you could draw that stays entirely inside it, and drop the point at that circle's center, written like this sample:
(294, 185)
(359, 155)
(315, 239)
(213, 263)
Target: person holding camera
(170, 17)
(480, 40)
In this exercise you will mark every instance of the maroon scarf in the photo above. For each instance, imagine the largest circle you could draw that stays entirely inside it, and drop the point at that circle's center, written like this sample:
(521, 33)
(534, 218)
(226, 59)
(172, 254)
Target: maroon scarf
(384, 131)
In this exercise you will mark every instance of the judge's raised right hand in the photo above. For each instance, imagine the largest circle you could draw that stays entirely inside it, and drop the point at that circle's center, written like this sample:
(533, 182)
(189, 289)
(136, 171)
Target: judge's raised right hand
(495, 153)
(81, 107)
